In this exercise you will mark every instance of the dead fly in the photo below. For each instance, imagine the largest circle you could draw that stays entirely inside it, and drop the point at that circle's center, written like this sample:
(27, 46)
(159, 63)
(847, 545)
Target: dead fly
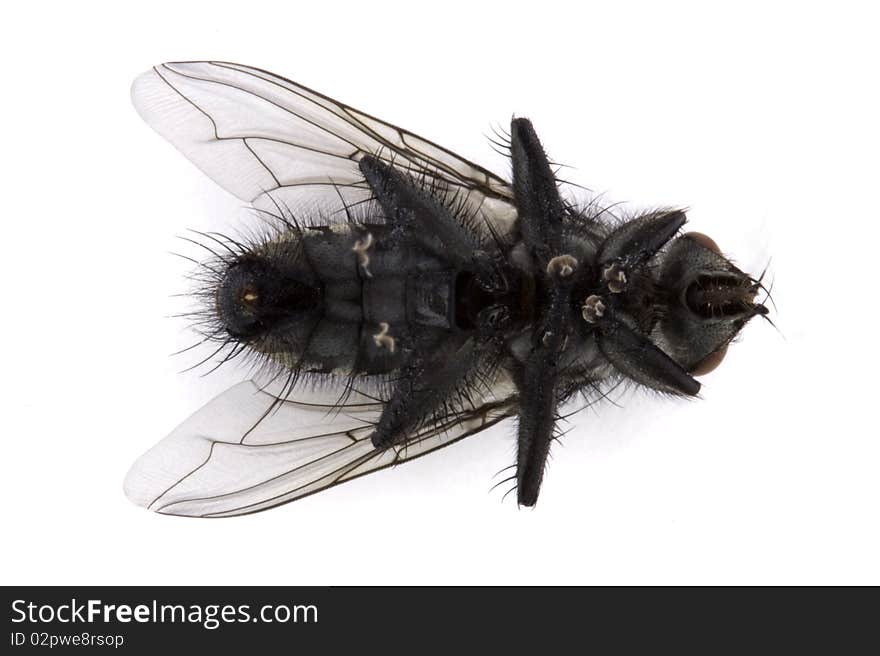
(406, 298)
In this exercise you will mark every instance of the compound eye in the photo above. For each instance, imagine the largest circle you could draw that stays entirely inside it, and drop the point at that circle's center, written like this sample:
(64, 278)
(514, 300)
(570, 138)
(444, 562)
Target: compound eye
(709, 363)
(704, 240)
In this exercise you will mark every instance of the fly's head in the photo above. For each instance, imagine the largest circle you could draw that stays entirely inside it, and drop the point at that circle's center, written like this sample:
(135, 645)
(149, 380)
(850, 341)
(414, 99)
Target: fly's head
(705, 302)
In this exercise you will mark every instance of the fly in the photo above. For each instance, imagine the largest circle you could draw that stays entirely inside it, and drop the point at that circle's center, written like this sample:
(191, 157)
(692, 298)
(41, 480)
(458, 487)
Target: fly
(432, 297)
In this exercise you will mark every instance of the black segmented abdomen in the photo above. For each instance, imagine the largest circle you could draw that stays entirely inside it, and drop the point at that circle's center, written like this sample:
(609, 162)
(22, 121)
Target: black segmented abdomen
(378, 293)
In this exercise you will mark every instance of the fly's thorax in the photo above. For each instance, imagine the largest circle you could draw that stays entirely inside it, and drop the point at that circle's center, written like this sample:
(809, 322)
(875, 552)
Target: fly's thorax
(575, 351)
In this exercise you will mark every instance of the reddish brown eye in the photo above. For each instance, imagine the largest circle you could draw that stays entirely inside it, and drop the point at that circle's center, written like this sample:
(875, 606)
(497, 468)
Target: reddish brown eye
(705, 241)
(709, 363)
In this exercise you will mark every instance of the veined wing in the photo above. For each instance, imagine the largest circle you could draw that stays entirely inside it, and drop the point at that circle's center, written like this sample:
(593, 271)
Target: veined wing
(232, 458)
(276, 143)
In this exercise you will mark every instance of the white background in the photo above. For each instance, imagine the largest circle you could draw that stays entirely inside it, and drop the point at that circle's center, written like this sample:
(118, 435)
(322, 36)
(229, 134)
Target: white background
(763, 119)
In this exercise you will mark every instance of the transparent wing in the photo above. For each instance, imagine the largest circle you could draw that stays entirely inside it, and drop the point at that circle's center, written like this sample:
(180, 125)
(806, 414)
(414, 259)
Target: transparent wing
(276, 143)
(231, 458)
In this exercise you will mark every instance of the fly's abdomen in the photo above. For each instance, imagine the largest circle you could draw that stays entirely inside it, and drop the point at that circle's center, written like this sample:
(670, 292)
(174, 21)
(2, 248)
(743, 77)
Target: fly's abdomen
(341, 299)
